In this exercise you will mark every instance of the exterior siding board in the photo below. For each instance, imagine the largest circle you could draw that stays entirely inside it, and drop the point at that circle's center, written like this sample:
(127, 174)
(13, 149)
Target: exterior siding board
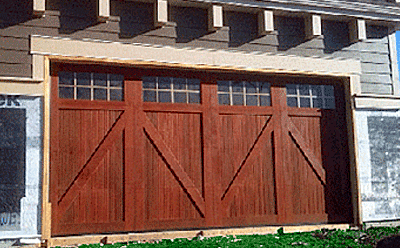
(383, 89)
(15, 57)
(16, 70)
(132, 22)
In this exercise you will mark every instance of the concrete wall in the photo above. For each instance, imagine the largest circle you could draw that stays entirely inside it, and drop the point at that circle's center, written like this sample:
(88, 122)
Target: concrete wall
(20, 191)
(379, 163)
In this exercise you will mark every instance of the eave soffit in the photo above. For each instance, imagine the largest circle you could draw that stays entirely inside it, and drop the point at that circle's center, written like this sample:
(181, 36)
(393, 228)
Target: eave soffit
(379, 11)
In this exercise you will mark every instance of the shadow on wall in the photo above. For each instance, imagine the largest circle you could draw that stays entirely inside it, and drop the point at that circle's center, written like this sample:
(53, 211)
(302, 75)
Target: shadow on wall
(135, 17)
(242, 27)
(76, 15)
(336, 36)
(291, 32)
(14, 12)
(191, 23)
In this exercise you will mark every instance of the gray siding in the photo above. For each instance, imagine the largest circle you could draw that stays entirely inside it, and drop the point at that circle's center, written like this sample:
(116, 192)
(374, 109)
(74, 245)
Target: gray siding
(132, 22)
(375, 61)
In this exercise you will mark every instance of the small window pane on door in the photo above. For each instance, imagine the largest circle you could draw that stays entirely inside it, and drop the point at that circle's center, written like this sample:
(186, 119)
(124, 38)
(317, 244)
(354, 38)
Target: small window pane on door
(90, 86)
(171, 90)
(310, 96)
(244, 93)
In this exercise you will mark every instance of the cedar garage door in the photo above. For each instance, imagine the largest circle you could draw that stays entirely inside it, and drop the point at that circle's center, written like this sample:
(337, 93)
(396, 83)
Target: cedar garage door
(136, 150)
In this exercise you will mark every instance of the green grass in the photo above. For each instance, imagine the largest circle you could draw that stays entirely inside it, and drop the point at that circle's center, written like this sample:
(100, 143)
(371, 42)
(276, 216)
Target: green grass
(321, 238)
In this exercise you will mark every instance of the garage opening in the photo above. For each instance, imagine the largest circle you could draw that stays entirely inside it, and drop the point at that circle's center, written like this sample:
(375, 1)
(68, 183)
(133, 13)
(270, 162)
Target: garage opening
(141, 149)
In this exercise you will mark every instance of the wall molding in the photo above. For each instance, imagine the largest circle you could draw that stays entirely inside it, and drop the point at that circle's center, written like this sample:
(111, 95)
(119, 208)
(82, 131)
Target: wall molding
(193, 57)
(370, 101)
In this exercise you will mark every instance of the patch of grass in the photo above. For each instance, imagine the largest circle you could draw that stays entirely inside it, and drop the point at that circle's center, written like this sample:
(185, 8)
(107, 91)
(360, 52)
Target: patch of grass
(321, 238)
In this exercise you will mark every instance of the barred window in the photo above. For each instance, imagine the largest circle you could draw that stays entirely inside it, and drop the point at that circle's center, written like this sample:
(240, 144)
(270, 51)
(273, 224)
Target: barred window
(244, 93)
(310, 96)
(90, 86)
(172, 90)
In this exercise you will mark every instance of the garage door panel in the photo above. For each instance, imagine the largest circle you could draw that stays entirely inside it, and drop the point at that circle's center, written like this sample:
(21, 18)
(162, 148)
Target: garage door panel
(239, 134)
(173, 155)
(167, 199)
(81, 132)
(100, 198)
(307, 189)
(248, 180)
(182, 134)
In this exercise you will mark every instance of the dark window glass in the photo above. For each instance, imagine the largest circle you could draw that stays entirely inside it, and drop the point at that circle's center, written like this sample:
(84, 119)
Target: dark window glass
(116, 80)
(237, 87)
(305, 102)
(223, 86)
(180, 97)
(251, 87)
(66, 78)
(116, 95)
(292, 101)
(252, 100)
(223, 99)
(304, 90)
(317, 103)
(237, 99)
(66, 92)
(149, 96)
(194, 98)
(164, 83)
(265, 100)
(83, 93)
(164, 96)
(83, 78)
(91, 86)
(149, 83)
(193, 84)
(100, 94)
(100, 79)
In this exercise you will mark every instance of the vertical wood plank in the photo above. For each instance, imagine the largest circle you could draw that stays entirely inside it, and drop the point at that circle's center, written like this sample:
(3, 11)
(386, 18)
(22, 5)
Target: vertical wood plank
(134, 197)
(282, 168)
(212, 174)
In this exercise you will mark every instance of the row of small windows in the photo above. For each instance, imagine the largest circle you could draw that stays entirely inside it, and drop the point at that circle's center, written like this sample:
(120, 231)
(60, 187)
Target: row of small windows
(91, 86)
(109, 87)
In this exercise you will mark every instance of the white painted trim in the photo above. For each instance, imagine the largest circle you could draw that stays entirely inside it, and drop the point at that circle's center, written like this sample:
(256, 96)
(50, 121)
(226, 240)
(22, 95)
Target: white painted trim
(355, 9)
(103, 10)
(265, 22)
(358, 30)
(376, 102)
(160, 12)
(39, 7)
(38, 67)
(19, 236)
(17, 88)
(194, 57)
(394, 63)
(313, 26)
(215, 17)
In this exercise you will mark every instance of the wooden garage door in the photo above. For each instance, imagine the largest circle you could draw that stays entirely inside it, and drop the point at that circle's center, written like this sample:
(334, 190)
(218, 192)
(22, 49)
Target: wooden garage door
(158, 153)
